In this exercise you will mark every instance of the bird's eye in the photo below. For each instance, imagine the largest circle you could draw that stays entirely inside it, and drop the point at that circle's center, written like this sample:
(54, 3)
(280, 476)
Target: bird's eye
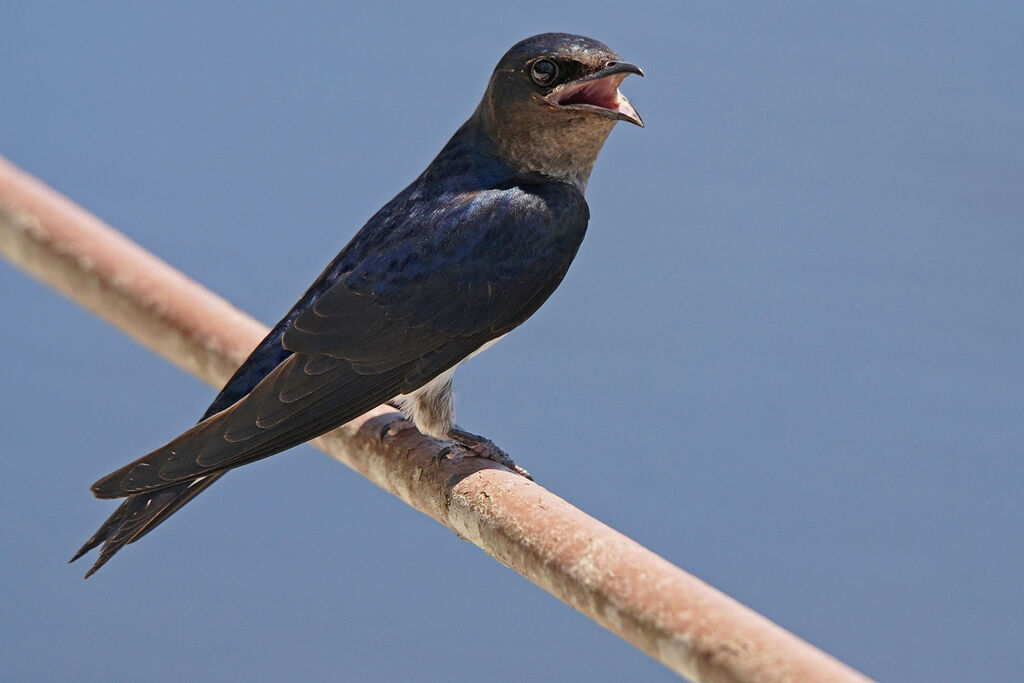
(544, 72)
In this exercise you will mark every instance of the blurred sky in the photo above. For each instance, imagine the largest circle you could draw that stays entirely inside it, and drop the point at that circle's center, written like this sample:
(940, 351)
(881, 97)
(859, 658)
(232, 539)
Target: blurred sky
(789, 356)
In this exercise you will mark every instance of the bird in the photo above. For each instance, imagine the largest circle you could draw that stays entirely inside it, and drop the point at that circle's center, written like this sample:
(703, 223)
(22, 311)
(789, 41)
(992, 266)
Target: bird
(464, 254)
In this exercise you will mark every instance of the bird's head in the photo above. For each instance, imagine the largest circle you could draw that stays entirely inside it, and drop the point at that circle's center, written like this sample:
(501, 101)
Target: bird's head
(552, 101)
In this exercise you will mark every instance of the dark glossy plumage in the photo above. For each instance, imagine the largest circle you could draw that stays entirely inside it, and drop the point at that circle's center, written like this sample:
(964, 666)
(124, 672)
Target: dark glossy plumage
(464, 254)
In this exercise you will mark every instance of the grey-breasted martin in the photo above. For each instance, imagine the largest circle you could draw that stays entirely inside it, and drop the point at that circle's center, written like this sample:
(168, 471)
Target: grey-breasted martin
(464, 254)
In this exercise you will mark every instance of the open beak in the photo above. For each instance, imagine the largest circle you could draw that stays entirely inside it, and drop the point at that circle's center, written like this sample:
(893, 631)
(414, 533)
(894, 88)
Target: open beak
(599, 93)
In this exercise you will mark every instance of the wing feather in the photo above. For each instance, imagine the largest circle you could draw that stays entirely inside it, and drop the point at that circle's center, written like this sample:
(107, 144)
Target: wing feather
(430, 288)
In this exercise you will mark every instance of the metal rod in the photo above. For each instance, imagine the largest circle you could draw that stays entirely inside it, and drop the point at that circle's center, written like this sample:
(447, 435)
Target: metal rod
(669, 614)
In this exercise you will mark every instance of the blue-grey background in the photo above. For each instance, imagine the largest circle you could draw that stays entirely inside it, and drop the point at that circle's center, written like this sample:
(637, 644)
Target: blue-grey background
(789, 357)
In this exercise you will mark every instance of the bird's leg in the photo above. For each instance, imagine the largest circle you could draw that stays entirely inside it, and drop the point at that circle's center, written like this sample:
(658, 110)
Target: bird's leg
(484, 448)
(432, 409)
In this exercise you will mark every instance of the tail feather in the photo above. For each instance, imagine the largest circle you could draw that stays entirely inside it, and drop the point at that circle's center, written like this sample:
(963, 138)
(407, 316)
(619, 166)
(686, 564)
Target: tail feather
(140, 514)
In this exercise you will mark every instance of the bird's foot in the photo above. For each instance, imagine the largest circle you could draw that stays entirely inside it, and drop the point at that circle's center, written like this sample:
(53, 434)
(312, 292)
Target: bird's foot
(483, 447)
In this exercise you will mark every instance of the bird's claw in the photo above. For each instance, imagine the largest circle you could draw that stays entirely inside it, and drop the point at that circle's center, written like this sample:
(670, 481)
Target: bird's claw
(480, 447)
(487, 449)
(392, 427)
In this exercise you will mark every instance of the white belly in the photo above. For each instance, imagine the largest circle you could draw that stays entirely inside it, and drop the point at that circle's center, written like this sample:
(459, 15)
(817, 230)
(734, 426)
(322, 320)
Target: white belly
(432, 407)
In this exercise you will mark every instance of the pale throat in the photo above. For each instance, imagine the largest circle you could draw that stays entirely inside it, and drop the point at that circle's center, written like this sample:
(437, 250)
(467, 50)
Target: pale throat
(560, 145)
(566, 151)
